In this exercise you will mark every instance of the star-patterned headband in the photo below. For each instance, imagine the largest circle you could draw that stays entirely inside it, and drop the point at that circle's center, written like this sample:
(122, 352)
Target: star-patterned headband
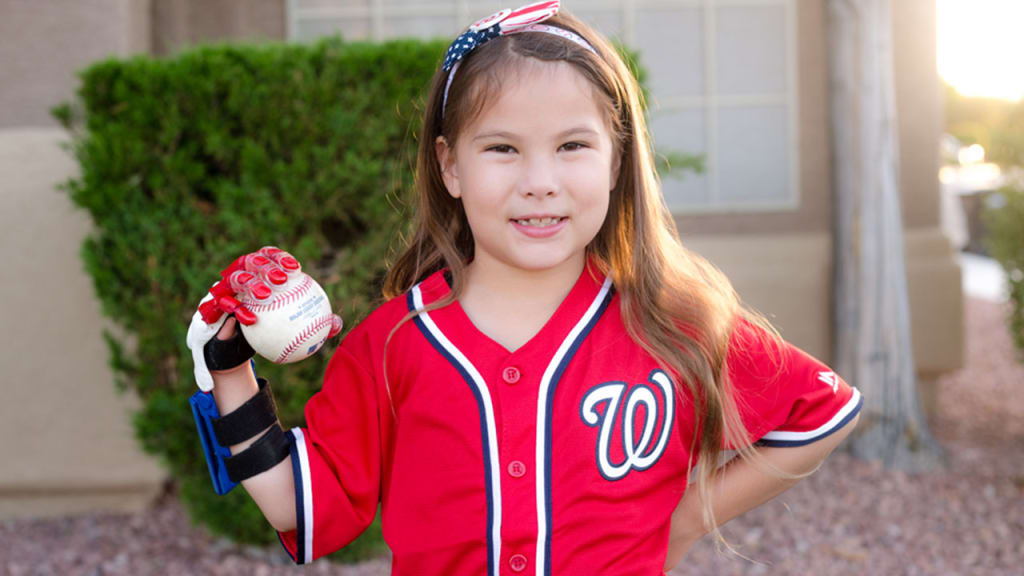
(503, 23)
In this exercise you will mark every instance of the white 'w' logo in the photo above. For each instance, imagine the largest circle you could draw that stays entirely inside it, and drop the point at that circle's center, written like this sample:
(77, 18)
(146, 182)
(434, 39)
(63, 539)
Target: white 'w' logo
(639, 455)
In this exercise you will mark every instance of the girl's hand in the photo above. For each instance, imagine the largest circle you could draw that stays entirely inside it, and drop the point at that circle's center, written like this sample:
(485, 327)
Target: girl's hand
(255, 275)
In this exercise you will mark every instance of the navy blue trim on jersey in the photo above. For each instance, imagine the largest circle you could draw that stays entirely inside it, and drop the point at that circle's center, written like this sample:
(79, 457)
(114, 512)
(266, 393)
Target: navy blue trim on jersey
(485, 441)
(548, 417)
(300, 520)
(795, 443)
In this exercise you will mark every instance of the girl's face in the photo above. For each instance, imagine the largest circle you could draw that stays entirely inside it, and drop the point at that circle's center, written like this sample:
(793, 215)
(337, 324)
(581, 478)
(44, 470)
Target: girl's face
(534, 170)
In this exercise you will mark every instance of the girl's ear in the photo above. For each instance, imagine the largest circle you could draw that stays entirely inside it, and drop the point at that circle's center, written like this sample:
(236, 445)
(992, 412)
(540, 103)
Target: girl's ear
(446, 160)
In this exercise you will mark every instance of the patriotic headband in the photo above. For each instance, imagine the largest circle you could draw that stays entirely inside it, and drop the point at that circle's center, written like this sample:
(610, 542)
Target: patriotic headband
(503, 23)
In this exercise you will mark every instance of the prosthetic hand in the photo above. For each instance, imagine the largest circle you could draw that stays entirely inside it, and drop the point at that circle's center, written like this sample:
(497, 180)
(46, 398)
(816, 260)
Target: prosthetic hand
(269, 280)
(254, 278)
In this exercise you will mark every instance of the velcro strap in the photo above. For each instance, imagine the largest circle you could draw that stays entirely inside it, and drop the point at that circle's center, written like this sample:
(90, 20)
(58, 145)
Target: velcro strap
(249, 419)
(263, 455)
(227, 354)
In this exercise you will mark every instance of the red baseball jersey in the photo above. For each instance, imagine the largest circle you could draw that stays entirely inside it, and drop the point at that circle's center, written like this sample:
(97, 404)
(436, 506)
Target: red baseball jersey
(566, 456)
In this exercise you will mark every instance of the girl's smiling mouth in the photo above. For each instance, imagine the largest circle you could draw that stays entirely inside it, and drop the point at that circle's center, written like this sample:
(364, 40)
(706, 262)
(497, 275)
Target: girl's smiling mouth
(539, 226)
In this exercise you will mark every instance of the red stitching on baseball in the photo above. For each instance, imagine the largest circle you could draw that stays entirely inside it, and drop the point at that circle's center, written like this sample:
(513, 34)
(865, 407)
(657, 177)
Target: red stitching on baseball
(302, 336)
(282, 299)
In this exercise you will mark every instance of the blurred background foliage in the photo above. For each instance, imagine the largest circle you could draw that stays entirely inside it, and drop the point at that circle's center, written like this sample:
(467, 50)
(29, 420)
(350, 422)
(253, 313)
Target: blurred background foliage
(998, 126)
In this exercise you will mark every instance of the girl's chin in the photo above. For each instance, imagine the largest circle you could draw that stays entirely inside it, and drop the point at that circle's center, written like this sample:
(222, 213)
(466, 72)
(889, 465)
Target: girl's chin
(539, 261)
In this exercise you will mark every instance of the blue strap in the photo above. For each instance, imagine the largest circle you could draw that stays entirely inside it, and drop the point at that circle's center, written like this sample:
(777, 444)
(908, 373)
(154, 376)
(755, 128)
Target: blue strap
(204, 409)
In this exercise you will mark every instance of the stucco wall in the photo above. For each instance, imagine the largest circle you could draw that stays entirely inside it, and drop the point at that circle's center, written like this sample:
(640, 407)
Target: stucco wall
(65, 437)
(46, 43)
(182, 23)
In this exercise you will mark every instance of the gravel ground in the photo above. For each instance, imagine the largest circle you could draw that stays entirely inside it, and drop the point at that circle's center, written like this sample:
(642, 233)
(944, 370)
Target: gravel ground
(852, 517)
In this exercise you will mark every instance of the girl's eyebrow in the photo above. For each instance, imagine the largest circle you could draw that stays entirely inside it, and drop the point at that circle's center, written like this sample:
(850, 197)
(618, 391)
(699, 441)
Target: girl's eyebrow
(563, 134)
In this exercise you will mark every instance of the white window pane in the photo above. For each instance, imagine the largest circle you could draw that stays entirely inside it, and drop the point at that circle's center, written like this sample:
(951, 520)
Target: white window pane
(681, 132)
(671, 45)
(419, 27)
(751, 49)
(482, 8)
(349, 28)
(607, 22)
(305, 4)
(753, 154)
(421, 3)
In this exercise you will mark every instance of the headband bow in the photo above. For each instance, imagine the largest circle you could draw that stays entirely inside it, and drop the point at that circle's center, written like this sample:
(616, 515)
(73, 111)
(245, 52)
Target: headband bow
(524, 19)
(500, 23)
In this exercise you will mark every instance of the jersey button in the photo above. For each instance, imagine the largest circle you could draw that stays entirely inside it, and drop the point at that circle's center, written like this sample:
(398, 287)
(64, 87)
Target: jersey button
(517, 562)
(516, 469)
(510, 375)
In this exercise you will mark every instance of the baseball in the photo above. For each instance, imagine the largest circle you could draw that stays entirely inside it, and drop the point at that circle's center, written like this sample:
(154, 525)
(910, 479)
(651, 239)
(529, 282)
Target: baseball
(292, 324)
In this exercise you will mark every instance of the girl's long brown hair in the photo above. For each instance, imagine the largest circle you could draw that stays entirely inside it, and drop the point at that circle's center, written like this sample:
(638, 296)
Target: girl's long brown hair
(675, 304)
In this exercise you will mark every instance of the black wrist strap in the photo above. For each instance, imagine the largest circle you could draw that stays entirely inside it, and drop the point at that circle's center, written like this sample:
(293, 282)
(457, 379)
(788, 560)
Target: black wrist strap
(227, 354)
(247, 420)
(263, 455)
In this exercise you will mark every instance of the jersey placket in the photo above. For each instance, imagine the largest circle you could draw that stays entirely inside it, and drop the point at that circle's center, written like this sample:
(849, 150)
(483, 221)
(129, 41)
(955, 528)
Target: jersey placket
(514, 380)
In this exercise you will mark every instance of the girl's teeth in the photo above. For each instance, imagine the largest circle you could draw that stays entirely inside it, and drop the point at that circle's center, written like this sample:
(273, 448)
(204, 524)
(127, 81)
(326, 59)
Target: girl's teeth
(539, 221)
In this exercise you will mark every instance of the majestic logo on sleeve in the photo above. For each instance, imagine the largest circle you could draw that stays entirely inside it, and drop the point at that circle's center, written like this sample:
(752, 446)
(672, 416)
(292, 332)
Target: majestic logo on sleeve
(830, 378)
(648, 405)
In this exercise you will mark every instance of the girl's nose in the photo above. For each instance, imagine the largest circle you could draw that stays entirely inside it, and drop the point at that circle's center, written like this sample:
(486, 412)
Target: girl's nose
(539, 178)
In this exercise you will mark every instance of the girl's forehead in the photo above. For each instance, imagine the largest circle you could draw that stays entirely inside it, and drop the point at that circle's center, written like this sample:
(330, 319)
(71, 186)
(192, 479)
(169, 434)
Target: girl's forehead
(537, 93)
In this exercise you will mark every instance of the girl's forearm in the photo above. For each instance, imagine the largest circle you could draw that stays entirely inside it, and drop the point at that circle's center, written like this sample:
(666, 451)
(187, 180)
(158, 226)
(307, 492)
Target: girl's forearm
(272, 490)
(743, 486)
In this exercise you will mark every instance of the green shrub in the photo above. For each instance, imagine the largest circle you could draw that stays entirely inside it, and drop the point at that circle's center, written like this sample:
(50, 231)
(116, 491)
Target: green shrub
(1004, 221)
(188, 162)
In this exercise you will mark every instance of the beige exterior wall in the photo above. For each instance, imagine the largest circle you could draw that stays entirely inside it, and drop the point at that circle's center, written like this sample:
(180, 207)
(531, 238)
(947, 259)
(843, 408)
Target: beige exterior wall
(70, 434)
(181, 23)
(66, 437)
(781, 263)
(921, 115)
(46, 43)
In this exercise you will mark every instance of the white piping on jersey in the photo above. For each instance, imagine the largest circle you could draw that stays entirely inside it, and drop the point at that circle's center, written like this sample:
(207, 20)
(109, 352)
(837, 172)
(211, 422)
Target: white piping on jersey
(783, 436)
(307, 496)
(542, 398)
(492, 447)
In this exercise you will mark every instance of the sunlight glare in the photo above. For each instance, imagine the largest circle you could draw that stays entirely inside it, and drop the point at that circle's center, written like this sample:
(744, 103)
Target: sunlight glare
(981, 48)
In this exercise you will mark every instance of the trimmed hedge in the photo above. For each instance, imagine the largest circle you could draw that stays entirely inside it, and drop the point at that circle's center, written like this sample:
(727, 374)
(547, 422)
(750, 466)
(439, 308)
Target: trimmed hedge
(188, 162)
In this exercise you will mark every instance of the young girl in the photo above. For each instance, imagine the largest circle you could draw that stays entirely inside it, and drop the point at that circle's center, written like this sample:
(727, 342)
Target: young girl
(551, 364)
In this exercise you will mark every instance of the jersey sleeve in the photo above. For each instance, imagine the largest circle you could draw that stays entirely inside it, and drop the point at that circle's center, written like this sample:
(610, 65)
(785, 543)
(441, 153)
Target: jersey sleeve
(785, 396)
(336, 459)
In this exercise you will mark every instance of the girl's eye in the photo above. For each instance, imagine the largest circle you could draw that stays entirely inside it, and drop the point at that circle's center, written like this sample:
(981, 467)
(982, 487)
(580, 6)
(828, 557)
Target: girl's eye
(573, 146)
(500, 148)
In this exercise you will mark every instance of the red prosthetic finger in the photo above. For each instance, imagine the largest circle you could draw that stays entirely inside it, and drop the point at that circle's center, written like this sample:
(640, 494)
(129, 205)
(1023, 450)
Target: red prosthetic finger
(209, 309)
(266, 269)
(335, 326)
(275, 275)
(233, 306)
(281, 258)
(238, 264)
(209, 312)
(243, 282)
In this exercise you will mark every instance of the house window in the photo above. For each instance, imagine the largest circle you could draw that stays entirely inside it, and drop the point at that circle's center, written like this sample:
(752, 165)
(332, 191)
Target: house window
(722, 79)
(723, 86)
